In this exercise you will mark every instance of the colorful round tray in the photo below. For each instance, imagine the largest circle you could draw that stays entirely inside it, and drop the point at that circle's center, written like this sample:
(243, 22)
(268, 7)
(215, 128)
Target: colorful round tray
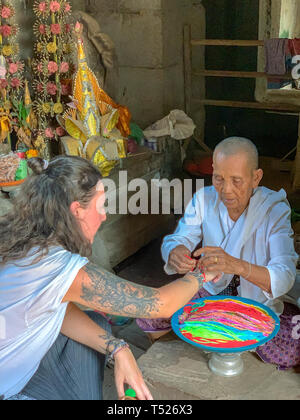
(225, 324)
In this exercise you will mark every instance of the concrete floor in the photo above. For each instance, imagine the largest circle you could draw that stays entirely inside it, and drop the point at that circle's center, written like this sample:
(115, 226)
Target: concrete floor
(146, 267)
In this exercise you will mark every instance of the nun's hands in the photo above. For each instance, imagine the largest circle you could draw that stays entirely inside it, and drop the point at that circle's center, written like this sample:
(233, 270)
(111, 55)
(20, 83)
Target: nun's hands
(214, 259)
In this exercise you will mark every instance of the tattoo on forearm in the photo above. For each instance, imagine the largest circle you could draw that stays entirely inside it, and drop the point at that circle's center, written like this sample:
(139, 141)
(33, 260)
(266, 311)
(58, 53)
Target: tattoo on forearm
(110, 342)
(114, 295)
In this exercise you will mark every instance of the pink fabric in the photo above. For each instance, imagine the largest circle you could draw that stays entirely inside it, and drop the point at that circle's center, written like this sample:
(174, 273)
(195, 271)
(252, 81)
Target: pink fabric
(275, 50)
(294, 46)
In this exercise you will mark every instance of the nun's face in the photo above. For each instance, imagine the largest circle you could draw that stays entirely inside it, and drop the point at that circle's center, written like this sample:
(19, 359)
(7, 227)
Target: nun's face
(235, 180)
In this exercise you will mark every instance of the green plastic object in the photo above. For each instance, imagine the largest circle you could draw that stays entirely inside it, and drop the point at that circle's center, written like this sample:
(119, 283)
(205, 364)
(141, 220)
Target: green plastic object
(130, 393)
(22, 170)
(136, 133)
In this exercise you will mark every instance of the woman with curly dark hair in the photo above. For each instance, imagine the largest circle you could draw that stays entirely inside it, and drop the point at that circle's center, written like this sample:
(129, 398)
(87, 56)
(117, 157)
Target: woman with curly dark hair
(49, 348)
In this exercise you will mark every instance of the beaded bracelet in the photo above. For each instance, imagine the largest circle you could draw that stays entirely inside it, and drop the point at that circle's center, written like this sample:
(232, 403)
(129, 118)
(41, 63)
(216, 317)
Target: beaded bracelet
(121, 345)
(200, 275)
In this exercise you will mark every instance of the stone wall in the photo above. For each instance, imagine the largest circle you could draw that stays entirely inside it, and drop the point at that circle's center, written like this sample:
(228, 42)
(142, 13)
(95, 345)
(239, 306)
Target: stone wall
(148, 36)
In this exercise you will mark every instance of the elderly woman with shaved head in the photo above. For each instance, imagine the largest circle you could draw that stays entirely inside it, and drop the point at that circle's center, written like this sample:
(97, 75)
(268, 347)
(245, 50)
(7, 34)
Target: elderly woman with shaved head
(245, 234)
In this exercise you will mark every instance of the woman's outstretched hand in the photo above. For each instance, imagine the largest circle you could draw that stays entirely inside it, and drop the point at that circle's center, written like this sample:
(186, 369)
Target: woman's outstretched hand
(128, 372)
(213, 276)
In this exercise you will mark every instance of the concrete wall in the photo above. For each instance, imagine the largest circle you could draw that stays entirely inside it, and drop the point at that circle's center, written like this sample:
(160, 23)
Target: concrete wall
(149, 45)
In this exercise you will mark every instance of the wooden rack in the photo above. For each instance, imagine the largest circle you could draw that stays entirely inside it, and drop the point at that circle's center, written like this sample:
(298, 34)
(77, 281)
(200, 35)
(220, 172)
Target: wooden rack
(189, 43)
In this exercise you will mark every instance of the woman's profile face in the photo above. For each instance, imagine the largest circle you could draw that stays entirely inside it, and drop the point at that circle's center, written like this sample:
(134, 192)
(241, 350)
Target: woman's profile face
(91, 217)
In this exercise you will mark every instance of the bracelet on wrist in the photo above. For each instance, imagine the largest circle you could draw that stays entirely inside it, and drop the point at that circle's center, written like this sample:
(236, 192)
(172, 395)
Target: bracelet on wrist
(200, 276)
(117, 346)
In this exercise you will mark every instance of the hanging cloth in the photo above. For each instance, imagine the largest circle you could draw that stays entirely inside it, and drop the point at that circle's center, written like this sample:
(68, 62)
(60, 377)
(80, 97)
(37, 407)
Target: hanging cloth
(275, 50)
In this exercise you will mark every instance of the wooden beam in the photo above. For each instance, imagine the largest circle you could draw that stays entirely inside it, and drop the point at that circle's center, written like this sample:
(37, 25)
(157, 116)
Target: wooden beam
(240, 74)
(202, 144)
(228, 42)
(252, 105)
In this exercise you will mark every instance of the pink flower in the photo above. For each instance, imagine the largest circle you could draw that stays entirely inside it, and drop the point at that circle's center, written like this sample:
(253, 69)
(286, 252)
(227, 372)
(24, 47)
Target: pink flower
(51, 88)
(13, 68)
(49, 133)
(67, 7)
(6, 30)
(55, 28)
(60, 131)
(43, 7)
(6, 12)
(40, 67)
(16, 83)
(65, 89)
(64, 67)
(3, 84)
(42, 29)
(40, 87)
(52, 67)
(78, 27)
(54, 6)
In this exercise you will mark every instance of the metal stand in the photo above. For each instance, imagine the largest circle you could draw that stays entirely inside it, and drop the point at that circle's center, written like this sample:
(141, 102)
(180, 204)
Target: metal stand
(226, 364)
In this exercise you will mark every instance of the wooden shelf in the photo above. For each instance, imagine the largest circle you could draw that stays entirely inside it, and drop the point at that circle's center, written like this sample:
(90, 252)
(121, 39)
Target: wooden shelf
(227, 42)
(252, 105)
(240, 74)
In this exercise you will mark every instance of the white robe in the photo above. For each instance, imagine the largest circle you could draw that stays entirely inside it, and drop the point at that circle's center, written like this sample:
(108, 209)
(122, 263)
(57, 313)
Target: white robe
(262, 236)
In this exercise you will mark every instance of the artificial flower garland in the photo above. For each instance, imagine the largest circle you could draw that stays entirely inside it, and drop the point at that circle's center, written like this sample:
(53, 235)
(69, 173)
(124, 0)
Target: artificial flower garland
(53, 66)
(11, 68)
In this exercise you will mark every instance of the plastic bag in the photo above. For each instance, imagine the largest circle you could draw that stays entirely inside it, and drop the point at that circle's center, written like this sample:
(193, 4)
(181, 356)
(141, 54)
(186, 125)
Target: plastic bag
(177, 125)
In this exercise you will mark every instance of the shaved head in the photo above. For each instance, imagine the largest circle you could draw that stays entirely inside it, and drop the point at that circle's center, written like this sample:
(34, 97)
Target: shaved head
(236, 145)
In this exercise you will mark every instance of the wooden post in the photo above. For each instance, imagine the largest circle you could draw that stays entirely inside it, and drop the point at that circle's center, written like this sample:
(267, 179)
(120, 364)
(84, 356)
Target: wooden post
(187, 55)
(187, 69)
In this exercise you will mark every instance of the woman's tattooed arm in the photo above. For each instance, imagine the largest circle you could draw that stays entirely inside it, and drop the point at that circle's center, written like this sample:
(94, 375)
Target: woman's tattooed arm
(102, 289)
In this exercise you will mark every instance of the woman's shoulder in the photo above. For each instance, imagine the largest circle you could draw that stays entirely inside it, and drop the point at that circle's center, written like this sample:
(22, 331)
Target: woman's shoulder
(36, 262)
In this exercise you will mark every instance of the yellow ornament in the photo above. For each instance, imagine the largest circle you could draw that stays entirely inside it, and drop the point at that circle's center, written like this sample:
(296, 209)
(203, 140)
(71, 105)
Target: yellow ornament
(46, 108)
(52, 47)
(32, 153)
(104, 166)
(39, 47)
(7, 50)
(58, 108)
(67, 48)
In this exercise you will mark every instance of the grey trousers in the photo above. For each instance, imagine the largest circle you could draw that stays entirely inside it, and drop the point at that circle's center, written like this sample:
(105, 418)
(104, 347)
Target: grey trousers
(70, 371)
